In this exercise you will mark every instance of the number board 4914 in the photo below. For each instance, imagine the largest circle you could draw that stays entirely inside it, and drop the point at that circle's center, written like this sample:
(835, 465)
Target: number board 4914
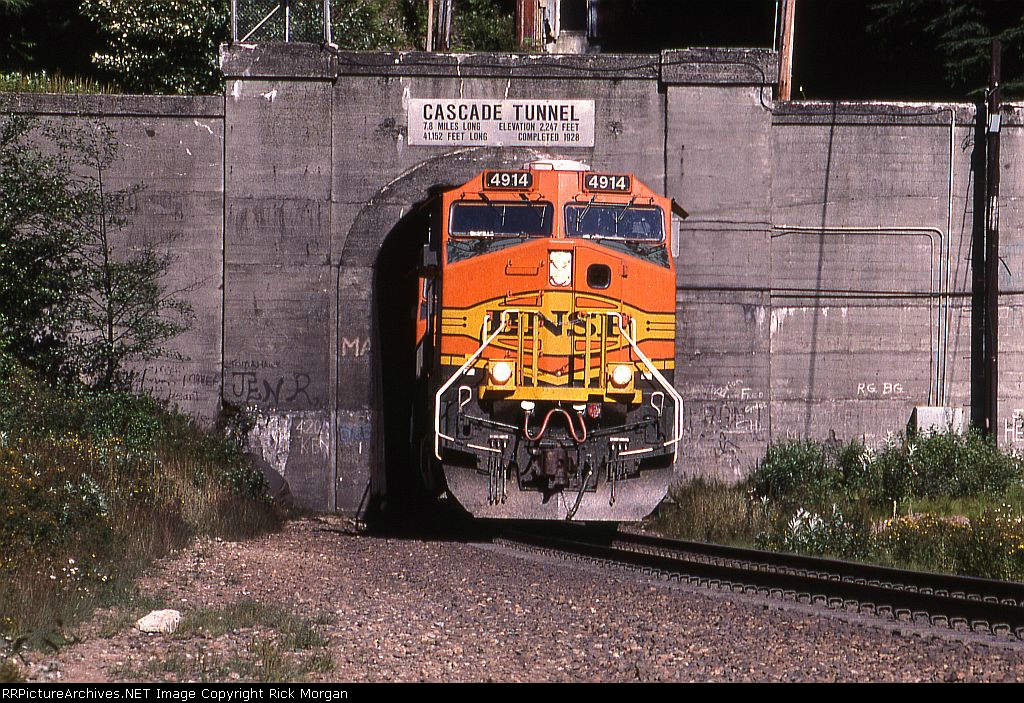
(607, 182)
(508, 180)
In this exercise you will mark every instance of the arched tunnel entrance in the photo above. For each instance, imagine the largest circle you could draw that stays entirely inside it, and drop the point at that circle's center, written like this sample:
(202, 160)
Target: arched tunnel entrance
(387, 237)
(399, 492)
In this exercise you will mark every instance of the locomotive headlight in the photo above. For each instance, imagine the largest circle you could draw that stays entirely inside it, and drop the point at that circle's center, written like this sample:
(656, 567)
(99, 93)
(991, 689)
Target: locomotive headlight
(621, 376)
(560, 268)
(500, 373)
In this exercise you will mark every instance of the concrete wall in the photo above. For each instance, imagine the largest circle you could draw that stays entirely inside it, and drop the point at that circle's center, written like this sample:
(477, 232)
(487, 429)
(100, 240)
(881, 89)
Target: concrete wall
(172, 148)
(825, 277)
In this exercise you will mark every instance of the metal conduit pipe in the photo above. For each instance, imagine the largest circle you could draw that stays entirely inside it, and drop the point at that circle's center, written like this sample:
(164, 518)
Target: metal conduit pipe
(944, 300)
(941, 348)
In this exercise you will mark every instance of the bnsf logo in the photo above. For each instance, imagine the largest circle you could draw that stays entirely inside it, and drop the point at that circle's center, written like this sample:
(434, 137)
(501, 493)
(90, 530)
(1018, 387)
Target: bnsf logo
(508, 179)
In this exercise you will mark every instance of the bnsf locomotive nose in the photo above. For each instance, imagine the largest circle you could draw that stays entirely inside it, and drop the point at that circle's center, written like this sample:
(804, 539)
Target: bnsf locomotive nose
(546, 346)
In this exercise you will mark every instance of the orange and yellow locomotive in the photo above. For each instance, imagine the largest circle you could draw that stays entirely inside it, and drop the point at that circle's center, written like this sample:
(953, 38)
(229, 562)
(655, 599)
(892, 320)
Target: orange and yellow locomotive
(546, 345)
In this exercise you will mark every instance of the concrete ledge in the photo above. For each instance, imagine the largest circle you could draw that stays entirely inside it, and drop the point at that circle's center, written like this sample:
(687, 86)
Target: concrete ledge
(705, 66)
(870, 113)
(719, 66)
(211, 106)
(278, 60)
(491, 65)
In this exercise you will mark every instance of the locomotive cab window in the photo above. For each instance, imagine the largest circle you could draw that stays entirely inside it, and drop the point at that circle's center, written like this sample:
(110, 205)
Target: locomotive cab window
(609, 221)
(500, 219)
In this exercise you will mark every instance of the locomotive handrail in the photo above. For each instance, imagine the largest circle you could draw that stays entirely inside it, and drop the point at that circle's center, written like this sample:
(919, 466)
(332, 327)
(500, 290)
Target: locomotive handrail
(462, 369)
(669, 388)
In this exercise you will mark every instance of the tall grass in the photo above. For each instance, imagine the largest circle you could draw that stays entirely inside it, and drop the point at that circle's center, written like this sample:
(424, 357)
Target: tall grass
(43, 82)
(93, 488)
(712, 511)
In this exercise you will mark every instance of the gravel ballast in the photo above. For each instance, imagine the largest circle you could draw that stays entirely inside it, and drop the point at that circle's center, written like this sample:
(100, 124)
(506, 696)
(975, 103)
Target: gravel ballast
(391, 609)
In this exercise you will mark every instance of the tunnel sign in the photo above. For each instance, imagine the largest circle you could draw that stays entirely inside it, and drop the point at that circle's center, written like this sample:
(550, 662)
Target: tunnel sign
(446, 122)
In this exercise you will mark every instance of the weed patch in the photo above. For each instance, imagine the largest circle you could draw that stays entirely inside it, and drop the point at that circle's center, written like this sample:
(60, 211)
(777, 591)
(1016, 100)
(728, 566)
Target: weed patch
(713, 511)
(941, 502)
(280, 646)
(93, 487)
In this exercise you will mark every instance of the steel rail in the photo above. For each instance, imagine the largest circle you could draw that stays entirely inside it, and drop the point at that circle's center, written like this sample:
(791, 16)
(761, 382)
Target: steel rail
(924, 581)
(949, 600)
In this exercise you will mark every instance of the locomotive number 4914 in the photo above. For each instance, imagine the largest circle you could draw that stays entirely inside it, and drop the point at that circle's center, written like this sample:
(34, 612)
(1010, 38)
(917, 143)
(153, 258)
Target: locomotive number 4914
(512, 180)
(607, 182)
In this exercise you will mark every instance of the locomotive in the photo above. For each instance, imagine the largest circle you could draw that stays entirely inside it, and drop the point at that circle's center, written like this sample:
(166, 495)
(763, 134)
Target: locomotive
(545, 345)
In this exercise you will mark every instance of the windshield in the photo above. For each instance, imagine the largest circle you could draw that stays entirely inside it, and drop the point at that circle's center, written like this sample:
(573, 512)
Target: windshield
(593, 221)
(497, 219)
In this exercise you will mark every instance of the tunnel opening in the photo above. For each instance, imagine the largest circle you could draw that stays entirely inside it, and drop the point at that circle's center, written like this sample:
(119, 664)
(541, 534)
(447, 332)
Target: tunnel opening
(400, 498)
(392, 249)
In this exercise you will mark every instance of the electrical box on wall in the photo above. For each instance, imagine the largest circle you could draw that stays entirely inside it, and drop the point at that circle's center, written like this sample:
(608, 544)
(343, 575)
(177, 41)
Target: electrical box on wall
(928, 419)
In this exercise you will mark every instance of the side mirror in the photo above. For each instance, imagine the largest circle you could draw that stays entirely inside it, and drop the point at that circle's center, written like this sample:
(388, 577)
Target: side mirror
(428, 262)
(676, 222)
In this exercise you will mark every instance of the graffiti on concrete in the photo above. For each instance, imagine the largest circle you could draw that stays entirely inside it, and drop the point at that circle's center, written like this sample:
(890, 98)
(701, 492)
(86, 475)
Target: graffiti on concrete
(1013, 428)
(356, 431)
(355, 347)
(177, 385)
(730, 417)
(282, 437)
(880, 390)
(725, 426)
(247, 387)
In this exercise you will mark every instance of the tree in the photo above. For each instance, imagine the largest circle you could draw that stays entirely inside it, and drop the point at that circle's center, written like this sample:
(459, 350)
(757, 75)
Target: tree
(74, 304)
(45, 35)
(161, 46)
(961, 31)
(14, 45)
(372, 24)
(483, 25)
(123, 312)
(39, 216)
(172, 46)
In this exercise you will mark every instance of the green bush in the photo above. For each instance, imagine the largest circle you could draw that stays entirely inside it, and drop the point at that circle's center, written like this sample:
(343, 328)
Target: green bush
(988, 546)
(945, 465)
(816, 474)
(841, 499)
(481, 25)
(797, 471)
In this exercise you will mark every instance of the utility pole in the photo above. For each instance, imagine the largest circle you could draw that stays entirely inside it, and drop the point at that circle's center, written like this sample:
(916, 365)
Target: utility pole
(526, 23)
(430, 25)
(786, 49)
(443, 37)
(993, 125)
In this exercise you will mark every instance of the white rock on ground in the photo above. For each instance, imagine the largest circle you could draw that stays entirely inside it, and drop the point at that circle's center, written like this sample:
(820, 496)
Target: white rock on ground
(165, 621)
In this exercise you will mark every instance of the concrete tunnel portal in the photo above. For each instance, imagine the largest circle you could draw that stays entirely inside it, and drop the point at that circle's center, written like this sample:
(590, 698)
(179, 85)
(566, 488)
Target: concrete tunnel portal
(394, 484)
(290, 205)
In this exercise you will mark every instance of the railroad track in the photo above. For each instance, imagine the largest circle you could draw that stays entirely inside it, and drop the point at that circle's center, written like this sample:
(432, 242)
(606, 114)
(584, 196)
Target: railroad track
(941, 599)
